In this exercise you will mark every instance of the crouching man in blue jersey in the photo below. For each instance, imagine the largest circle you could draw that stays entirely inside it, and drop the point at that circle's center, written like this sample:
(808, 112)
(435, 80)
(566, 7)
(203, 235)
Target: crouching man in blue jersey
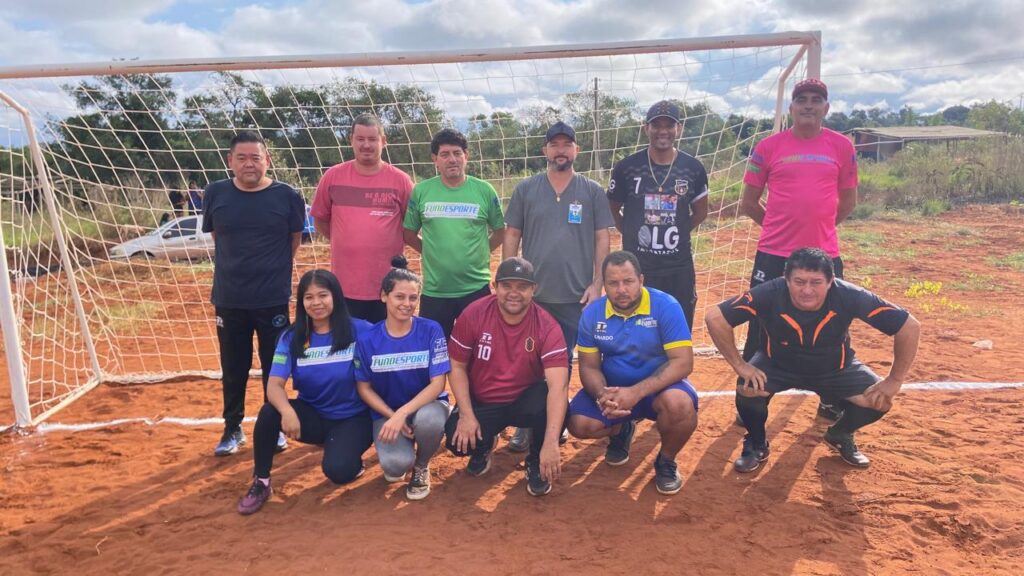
(635, 353)
(806, 316)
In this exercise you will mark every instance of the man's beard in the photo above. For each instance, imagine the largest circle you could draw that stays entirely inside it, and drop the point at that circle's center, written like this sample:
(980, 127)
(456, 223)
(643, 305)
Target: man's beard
(560, 167)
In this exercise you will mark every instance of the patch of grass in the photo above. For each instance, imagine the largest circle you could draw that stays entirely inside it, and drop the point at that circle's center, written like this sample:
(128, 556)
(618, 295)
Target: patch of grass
(934, 207)
(1014, 260)
(976, 283)
(127, 318)
(865, 210)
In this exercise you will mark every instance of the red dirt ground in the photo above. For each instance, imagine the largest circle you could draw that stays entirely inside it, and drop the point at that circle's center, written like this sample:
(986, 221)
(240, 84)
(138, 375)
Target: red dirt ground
(944, 494)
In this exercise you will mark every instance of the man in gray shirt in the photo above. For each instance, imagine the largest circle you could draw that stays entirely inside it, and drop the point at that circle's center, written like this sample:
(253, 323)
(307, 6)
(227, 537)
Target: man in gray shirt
(562, 220)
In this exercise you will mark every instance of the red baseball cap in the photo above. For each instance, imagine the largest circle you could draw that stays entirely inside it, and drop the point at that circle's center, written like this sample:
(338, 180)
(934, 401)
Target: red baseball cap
(810, 85)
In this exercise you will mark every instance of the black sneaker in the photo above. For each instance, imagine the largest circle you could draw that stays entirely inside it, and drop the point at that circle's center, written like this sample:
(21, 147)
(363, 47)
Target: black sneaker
(520, 441)
(617, 452)
(479, 465)
(255, 498)
(847, 448)
(535, 484)
(230, 442)
(666, 476)
(752, 456)
(828, 412)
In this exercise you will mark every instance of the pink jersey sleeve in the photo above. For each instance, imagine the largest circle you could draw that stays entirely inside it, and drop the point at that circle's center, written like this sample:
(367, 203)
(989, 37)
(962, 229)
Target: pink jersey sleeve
(321, 208)
(848, 164)
(757, 165)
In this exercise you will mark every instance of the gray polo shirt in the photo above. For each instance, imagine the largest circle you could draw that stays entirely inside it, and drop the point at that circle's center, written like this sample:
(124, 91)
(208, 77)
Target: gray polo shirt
(558, 233)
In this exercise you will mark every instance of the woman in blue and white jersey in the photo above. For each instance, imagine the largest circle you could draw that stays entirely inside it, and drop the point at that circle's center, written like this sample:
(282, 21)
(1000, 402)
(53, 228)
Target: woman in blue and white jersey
(401, 365)
(316, 352)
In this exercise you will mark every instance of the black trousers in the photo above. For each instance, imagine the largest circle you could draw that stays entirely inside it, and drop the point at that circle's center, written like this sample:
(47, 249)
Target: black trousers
(344, 441)
(444, 311)
(681, 284)
(769, 267)
(372, 311)
(529, 410)
(568, 318)
(235, 327)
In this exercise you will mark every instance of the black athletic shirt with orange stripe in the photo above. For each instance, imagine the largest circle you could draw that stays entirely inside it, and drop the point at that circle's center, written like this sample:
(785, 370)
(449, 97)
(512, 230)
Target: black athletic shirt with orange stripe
(815, 342)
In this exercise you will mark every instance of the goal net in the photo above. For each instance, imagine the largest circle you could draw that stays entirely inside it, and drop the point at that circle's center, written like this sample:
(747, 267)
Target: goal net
(109, 278)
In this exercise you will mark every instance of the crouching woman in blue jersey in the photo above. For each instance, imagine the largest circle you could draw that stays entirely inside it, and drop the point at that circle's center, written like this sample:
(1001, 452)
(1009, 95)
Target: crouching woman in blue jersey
(401, 364)
(316, 352)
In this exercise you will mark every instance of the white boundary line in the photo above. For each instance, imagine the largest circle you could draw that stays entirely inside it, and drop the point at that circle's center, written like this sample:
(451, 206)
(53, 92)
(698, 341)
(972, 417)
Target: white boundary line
(45, 427)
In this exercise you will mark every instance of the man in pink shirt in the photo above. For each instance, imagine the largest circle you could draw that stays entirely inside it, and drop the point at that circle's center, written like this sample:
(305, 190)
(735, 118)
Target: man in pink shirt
(510, 367)
(360, 205)
(811, 174)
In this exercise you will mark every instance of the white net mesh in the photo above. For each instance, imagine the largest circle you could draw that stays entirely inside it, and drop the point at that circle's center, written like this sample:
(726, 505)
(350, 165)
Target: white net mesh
(118, 147)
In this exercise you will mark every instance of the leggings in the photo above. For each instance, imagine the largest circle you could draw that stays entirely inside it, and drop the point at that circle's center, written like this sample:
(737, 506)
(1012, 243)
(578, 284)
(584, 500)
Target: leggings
(427, 428)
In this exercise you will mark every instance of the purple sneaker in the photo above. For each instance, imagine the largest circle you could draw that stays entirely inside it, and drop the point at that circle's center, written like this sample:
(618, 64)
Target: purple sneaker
(253, 500)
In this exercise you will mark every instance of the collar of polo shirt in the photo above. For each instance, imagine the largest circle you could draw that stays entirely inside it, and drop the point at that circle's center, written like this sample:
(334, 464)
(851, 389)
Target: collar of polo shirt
(644, 309)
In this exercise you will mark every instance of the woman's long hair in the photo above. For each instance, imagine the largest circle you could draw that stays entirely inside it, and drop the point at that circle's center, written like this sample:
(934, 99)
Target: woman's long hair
(341, 322)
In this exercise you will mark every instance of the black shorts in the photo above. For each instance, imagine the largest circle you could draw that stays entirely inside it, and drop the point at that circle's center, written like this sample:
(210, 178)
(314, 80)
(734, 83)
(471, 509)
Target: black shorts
(831, 387)
(769, 267)
(681, 284)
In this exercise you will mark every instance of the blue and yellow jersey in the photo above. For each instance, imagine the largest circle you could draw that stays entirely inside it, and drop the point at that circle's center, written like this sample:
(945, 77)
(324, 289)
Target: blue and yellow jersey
(633, 347)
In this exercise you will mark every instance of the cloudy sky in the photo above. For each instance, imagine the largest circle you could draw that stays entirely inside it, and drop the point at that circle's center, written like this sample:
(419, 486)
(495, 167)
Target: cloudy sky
(921, 53)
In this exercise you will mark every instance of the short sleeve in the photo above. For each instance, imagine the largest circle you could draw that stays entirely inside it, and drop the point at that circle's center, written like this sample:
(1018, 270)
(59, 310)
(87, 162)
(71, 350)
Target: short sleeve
(881, 315)
(297, 218)
(700, 181)
(495, 220)
(460, 345)
(361, 361)
(439, 363)
(757, 166)
(672, 326)
(281, 366)
(514, 216)
(209, 198)
(553, 351)
(413, 214)
(616, 192)
(739, 310)
(321, 208)
(585, 341)
(602, 213)
(404, 189)
(848, 166)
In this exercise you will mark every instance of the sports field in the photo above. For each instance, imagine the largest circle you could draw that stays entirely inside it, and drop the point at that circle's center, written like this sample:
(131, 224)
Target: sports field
(944, 493)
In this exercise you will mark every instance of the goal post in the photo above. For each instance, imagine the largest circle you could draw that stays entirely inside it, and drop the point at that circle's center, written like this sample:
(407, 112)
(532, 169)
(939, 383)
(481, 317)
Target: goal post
(107, 281)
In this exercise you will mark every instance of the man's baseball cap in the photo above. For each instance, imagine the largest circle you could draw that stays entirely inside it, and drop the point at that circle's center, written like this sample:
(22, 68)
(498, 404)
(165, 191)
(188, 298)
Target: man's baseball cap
(559, 129)
(515, 268)
(811, 85)
(663, 109)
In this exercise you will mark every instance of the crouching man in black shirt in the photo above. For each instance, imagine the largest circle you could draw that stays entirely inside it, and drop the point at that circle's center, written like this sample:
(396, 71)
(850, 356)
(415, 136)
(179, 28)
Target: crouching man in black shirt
(806, 315)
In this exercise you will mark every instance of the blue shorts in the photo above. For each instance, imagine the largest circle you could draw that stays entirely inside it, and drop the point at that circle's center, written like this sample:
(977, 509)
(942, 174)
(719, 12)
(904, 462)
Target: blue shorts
(583, 405)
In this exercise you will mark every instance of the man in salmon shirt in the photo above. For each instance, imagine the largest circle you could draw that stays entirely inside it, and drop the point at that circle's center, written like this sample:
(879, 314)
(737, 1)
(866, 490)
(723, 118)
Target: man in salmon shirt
(360, 205)
(811, 173)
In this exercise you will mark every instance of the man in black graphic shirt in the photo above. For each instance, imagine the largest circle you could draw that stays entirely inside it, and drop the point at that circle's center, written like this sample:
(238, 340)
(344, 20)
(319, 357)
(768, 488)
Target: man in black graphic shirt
(657, 197)
(806, 315)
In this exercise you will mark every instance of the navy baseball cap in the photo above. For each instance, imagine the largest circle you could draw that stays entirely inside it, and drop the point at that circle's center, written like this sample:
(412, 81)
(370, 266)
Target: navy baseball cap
(559, 129)
(515, 268)
(663, 109)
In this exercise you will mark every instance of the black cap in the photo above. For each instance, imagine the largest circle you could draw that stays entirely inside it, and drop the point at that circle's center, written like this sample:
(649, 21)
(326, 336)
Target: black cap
(663, 109)
(557, 129)
(515, 268)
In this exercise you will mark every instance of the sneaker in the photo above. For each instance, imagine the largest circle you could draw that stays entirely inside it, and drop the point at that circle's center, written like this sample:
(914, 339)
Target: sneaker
(520, 441)
(230, 442)
(847, 448)
(666, 476)
(393, 479)
(536, 485)
(479, 465)
(282, 442)
(419, 486)
(828, 412)
(617, 452)
(255, 498)
(752, 456)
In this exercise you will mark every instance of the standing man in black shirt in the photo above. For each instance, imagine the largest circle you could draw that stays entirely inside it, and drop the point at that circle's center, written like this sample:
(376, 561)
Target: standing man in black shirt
(806, 316)
(257, 226)
(657, 197)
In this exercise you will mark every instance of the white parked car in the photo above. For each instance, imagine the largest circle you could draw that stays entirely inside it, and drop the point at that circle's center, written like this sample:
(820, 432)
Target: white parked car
(181, 238)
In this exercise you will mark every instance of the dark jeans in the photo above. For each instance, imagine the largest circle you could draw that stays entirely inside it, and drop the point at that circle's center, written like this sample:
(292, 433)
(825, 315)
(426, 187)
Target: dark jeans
(344, 441)
(235, 327)
(529, 410)
(681, 284)
(769, 267)
(372, 311)
(444, 311)
(568, 318)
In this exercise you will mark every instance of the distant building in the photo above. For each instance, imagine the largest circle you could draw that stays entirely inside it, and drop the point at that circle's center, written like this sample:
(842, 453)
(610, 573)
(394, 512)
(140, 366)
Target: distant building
(881, 143)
